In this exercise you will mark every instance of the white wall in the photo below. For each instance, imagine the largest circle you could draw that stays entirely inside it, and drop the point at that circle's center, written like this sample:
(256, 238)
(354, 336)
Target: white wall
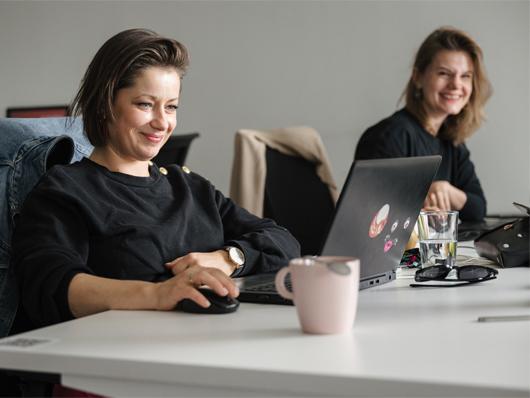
(336, 66)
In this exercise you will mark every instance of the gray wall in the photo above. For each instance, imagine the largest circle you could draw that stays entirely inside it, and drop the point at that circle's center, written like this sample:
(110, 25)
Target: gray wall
(336, 66)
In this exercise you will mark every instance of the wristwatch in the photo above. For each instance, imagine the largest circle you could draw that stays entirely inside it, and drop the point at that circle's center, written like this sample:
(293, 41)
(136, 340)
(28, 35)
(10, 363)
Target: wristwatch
(236, 256)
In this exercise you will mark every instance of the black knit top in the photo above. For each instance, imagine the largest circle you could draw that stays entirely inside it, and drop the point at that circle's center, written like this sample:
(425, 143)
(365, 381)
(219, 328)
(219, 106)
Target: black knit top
(84, 218)
(401, 135)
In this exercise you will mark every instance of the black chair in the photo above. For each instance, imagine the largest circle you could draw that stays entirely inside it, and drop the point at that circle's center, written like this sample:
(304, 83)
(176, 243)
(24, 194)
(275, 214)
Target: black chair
(27, 384)
(297, 199)
(175, 150)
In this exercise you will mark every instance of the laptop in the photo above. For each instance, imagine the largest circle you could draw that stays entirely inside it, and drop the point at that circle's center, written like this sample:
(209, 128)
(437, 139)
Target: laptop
(374, 217)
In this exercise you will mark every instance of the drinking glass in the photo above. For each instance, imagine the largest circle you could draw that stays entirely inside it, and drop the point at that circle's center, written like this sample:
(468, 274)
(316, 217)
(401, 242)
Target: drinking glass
(437, 232)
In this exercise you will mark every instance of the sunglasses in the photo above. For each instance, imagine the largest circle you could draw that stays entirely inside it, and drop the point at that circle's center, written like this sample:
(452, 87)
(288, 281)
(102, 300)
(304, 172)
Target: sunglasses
(466, 274)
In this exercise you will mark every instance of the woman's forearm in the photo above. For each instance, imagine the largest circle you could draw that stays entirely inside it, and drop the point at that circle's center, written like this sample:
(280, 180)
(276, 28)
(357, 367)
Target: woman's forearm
(89, 294)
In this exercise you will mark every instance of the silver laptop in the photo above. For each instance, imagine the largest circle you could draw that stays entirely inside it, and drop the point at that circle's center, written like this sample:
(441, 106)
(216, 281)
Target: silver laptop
(373, 220)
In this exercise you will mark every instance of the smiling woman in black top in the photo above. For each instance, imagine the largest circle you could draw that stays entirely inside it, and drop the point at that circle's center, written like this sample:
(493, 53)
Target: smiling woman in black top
(114, 231)
(445, 97)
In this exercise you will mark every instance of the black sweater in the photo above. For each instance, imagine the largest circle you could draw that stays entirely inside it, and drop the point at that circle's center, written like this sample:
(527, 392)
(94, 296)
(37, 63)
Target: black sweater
(84, 218)
(401, 135)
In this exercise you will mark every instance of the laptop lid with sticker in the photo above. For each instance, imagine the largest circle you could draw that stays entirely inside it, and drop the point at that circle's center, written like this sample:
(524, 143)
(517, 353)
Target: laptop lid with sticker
(377, 211)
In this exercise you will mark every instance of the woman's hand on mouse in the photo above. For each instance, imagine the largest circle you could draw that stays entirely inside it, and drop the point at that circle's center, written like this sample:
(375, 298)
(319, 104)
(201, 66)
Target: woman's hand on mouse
(185, 283)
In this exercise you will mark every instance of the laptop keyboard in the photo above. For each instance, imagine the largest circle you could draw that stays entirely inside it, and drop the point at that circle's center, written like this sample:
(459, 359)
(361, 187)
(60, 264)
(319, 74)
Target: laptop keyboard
(269, 287)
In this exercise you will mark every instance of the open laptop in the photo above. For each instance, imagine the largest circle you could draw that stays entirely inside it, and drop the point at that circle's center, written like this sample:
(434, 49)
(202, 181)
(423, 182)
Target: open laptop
(373, 220)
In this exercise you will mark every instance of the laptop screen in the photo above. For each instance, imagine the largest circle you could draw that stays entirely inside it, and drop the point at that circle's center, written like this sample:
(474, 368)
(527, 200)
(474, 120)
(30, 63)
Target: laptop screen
(377, 210)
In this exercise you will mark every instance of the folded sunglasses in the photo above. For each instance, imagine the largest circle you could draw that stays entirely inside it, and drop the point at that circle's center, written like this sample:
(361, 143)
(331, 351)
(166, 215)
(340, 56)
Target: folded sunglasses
(464, 275)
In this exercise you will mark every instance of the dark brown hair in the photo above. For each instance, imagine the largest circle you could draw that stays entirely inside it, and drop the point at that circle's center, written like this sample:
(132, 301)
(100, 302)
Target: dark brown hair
(115, 66)
(456, 128)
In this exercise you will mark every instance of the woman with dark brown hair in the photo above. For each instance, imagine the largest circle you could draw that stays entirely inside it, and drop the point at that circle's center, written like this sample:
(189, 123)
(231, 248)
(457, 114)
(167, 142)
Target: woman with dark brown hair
(114, 231)
(445, 99)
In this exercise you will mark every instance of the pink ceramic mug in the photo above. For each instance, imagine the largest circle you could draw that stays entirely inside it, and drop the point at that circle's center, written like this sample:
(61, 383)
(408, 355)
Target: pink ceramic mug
(325, 291)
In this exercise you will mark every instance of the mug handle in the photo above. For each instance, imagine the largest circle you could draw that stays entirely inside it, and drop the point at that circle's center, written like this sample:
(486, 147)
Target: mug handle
(279, 281)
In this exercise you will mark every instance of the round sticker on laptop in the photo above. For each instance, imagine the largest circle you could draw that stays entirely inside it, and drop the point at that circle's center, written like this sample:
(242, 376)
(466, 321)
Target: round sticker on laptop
(379, 221)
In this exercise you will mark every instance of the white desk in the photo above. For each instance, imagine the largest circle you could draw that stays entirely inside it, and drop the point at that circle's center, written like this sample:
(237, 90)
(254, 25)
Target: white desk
(406, 342)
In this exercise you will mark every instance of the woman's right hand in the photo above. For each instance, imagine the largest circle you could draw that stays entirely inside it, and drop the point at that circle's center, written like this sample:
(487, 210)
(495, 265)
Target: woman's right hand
(90, 294)
(185, 283)
(445, 196)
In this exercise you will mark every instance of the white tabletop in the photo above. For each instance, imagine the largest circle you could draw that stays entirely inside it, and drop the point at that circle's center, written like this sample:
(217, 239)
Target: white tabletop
(405, 341)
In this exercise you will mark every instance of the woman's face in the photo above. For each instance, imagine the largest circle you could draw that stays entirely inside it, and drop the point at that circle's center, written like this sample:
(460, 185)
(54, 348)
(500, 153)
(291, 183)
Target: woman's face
(145, 114)
(447, 84)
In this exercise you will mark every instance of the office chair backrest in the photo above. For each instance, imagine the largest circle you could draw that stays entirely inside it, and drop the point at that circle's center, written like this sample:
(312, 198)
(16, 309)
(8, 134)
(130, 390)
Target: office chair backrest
(175, 150)
(296, 198)
(30, 146)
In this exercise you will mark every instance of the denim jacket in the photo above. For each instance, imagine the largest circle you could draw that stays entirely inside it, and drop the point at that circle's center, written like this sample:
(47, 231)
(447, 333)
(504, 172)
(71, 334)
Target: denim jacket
(28, 147)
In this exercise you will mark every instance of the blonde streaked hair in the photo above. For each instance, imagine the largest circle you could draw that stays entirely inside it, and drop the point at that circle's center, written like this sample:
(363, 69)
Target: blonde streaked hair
(456, 128)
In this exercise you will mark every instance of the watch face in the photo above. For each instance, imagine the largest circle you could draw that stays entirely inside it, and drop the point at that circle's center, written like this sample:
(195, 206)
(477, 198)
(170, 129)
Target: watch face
(236, 255)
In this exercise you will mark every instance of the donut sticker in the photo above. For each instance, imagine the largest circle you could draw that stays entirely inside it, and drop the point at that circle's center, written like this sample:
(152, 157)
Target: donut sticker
(388, 245)
(406, 223)
(379, 221)
(394, 226)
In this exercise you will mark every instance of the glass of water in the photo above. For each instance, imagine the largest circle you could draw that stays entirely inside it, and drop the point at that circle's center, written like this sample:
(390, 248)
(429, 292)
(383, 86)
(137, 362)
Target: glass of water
(437, 232)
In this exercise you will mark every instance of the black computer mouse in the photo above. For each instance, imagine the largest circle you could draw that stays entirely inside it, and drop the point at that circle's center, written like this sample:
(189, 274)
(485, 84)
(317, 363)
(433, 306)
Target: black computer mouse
(218, 304)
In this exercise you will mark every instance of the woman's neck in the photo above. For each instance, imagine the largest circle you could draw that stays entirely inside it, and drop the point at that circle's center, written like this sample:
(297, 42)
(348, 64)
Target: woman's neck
(106, 157)
(433, 124)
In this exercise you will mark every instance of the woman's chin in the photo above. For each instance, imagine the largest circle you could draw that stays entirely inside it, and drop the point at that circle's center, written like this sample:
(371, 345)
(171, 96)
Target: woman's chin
(148, 155)
(454, 109)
